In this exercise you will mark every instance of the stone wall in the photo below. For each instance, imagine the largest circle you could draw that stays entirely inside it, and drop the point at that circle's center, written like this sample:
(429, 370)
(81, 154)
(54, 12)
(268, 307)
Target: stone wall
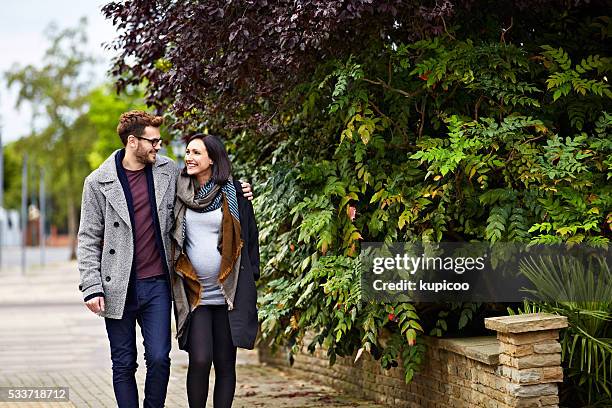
(519, 368)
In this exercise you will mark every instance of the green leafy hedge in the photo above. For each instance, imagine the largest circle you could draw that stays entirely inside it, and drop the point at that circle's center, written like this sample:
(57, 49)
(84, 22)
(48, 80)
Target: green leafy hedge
(440, 139)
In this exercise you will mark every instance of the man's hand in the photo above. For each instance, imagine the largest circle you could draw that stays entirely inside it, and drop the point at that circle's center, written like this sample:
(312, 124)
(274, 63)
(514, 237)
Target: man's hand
(246, 190)
(96, 304)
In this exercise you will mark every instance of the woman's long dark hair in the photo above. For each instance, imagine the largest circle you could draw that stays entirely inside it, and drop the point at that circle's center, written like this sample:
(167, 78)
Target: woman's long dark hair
(221, 168)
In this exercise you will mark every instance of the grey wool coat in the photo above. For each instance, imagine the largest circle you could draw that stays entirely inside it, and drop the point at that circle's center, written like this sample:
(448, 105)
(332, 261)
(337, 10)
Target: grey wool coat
(105, 245)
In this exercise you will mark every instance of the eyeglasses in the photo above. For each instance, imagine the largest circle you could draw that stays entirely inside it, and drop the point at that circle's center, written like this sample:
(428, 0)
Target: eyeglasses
(154, 142)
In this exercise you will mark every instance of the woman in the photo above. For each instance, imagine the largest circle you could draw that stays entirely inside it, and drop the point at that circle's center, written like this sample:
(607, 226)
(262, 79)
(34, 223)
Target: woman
(216, 258)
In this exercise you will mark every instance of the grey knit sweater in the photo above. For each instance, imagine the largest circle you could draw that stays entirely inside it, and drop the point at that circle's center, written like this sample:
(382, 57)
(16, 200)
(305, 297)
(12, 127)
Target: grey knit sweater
(201, 237)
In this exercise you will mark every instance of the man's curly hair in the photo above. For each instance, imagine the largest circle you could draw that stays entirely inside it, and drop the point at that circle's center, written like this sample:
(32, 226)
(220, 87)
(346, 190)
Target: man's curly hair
(134, 122)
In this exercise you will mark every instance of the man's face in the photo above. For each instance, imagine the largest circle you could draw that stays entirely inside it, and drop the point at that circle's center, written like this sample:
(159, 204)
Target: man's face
(146, 152)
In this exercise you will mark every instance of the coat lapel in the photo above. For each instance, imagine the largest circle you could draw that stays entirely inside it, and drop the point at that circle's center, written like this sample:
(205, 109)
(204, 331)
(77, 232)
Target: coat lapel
(116, 198)
(161, 180)
(112, 190)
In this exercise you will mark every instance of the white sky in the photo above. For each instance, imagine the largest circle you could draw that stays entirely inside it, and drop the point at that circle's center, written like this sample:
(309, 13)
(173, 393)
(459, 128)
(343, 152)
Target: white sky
(22, 23)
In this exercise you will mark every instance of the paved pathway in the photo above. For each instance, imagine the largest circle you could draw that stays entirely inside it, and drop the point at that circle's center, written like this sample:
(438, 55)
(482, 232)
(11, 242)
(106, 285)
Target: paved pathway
(48, 338)
(11, 256)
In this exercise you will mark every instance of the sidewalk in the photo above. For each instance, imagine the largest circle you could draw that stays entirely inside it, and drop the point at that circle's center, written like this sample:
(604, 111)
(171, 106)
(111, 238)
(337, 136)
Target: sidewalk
(48, 338)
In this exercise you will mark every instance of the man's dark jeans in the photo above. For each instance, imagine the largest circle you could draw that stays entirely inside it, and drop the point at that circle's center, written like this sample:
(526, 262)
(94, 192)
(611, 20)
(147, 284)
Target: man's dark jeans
(148, 304)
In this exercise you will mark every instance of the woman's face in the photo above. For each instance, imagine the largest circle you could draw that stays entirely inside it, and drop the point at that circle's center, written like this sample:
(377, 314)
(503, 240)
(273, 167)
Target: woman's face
(196, 158)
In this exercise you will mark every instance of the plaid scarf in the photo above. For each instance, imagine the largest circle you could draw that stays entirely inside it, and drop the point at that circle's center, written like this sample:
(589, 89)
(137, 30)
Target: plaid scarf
(209, 188)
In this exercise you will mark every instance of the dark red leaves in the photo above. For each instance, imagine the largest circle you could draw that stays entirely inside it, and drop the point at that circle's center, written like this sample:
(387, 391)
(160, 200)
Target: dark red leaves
(228, 55)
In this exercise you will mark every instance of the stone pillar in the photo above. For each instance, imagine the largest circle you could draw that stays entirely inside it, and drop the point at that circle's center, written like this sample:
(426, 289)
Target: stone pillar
(530, 357)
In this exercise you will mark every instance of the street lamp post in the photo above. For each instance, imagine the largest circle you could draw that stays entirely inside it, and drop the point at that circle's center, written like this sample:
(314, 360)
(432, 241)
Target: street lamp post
(42, 203)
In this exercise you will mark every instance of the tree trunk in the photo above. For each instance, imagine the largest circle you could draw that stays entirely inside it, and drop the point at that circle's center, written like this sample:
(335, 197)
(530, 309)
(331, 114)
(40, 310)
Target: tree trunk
(72, 210)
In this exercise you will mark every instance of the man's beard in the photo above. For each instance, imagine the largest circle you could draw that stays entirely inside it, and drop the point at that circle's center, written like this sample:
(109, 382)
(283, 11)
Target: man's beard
(142, 155)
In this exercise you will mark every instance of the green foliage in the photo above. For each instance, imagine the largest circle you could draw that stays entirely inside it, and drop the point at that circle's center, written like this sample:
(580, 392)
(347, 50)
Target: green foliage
(54, 88)
(587, 303)
(79, 126)
(105, 107)
(463, 141)
(12, 176)
(564, 79)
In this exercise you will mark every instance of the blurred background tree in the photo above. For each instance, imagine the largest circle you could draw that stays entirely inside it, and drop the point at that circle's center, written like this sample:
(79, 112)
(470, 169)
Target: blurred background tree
(105, 107)
(58, 91)
(76, 125)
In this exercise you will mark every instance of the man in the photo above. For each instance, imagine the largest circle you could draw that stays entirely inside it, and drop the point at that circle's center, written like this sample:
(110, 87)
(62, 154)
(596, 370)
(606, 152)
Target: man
(123, 254)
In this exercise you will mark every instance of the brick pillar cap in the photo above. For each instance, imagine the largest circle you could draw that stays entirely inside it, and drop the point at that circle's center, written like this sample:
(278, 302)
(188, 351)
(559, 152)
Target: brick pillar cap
(526, 323)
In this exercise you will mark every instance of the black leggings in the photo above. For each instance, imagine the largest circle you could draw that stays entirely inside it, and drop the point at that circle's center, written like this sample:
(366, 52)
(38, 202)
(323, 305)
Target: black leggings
(210, 341)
